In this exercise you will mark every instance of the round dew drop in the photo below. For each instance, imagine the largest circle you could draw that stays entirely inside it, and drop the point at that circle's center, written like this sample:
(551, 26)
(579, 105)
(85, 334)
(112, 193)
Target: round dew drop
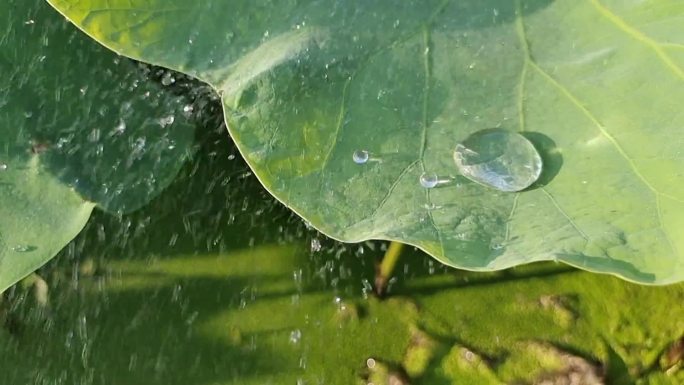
(499, 159)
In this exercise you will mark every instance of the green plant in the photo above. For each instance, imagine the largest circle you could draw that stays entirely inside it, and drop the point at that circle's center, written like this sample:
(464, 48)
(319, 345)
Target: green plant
(306, 85)
(76, 132)
(214, 282)
(303, 92)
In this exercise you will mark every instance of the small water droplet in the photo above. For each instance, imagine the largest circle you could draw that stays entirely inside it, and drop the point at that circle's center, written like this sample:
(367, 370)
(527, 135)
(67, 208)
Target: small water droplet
(23, 248)
(469, 356)
(361, 157)
(295, 336)
(29, 22)
(3, 167)
(500, 159)
(188, 109)
(94, 135)
(120, 128)
(429, 180)
(139, 144)
(167, 120)
(168, 79)
(316, 245)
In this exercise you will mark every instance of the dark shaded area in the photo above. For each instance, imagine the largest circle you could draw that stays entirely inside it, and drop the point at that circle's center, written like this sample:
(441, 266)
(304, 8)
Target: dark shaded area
(626, 269)
(550, 154)
(616, 369)
(463, 279)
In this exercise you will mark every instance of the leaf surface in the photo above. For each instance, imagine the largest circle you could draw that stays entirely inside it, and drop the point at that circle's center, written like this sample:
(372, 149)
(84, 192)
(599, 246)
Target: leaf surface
(79, 128)
(595, 85)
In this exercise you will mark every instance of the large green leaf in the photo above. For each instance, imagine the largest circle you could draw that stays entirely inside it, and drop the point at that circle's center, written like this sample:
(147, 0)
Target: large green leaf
(595, 85)
(76, 131)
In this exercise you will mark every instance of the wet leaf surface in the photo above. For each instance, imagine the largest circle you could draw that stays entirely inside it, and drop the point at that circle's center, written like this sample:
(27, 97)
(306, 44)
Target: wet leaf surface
(308, 84)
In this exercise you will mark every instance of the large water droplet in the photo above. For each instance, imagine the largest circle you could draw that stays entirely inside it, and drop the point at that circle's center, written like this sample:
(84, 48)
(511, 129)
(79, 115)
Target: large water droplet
(503, 160)
(361, 157)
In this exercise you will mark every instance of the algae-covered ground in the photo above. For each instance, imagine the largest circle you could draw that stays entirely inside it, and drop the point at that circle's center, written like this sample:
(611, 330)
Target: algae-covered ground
(270, 314)
(215, 283)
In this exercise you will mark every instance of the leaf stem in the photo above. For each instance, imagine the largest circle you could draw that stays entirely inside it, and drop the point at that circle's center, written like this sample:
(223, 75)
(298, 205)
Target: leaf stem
(386, 267)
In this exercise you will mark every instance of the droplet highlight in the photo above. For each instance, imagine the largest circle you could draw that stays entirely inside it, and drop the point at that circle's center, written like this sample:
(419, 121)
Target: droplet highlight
(295, 336)
(499, 159)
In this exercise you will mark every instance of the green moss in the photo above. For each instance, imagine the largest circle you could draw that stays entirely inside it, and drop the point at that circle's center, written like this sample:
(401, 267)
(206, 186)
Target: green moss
(247, 317)
(420, 352)
(462, 366)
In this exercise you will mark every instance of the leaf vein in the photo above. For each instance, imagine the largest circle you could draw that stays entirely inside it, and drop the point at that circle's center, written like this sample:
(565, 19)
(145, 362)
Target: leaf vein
(560, 209)
(638, 35)
(427, 57)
